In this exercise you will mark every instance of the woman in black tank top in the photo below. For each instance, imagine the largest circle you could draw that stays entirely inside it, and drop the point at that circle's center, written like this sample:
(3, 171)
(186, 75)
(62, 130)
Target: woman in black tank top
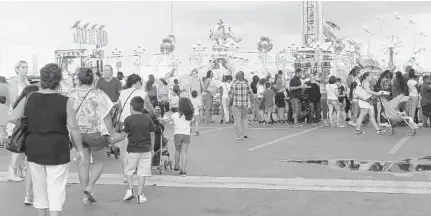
(49, 115)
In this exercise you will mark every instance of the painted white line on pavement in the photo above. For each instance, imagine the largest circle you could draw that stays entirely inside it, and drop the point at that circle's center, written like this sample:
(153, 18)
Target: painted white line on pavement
(399, 144)
(293, 184)
(283, 138)
(215, 129)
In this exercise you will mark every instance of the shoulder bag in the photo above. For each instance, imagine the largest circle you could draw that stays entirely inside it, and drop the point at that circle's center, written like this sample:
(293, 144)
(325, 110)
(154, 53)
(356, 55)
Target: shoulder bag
(361, 93)
(17, 140)
(117, 124)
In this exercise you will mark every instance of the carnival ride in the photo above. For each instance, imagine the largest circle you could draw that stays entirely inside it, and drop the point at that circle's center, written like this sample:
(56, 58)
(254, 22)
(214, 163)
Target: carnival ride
(321, 47)
(394, 44)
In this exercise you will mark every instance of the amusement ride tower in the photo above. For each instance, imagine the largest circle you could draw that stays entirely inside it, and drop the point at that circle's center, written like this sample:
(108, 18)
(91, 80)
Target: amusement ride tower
(320, 46)
(312, 24)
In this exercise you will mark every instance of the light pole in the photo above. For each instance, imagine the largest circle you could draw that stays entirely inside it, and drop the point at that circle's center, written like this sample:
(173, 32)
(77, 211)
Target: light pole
(117, 54)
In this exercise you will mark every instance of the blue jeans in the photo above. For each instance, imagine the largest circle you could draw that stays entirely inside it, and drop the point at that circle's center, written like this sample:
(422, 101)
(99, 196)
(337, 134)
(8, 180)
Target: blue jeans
(241, 121)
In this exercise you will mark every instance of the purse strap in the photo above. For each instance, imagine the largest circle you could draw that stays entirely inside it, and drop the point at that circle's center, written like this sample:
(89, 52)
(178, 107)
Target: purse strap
(26, 99)
(83, 99)
(125, 102)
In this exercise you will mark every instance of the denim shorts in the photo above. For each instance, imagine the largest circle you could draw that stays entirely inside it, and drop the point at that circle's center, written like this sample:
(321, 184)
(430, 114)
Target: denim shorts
(180, 139)
(94, 141)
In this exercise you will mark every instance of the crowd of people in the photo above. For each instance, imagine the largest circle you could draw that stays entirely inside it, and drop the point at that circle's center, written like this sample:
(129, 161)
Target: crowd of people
(98, 110)
(324, 99)
(91, 115)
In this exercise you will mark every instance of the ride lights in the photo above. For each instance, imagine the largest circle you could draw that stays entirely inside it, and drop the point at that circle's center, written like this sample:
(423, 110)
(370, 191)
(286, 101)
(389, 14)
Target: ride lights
(138, 51)
(116, 52)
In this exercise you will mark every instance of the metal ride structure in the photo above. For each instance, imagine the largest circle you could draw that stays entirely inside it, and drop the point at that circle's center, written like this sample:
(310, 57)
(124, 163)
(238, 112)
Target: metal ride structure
(84, 34)
(321, 47)
(222, 58)
(166, 63)
(393, 43)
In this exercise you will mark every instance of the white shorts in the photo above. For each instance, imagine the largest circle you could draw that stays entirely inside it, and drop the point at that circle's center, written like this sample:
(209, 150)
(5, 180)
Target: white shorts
(139, 161)
(49, 185)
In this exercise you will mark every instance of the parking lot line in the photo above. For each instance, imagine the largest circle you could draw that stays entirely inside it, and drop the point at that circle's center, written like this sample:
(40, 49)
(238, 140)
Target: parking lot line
(283, 138)
(399, 144)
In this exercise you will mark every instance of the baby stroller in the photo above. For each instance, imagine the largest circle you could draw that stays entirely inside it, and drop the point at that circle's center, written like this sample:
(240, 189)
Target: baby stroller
(160, 148)
(390, 112)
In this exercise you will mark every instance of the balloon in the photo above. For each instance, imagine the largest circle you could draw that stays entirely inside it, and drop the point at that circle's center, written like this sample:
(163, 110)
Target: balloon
(264, 44)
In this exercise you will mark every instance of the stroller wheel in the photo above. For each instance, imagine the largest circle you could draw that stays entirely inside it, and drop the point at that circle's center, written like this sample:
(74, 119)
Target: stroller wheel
(412, 132)
(117, 152)
(391, 132)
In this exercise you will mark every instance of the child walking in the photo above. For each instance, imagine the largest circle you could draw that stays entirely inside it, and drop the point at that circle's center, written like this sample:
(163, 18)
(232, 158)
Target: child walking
(139, 130)
(269, 97)
(174, 100)
(197, 104)
(182, 121)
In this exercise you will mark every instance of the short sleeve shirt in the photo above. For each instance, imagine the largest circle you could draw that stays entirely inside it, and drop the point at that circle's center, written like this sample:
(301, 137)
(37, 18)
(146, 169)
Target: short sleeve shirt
(138, 128)
(413, 91)
(181, 125)
(125, 100)
(93, 110)
(295, 82)
(269, 96)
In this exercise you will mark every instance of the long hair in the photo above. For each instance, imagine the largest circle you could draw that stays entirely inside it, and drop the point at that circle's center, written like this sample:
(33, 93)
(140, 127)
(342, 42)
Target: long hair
(150, 83)
(364, 76)
(208, 74)
(185, 107)
(27, 90)
(255, 79)
(352, 88)
(400, 82)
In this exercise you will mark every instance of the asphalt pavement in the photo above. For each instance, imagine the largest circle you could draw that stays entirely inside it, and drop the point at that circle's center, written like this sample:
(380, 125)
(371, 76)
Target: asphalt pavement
(216, 153)
(209, 202)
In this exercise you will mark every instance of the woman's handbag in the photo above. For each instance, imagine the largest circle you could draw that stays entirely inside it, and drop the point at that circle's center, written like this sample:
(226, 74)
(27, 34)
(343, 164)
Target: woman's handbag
(361, 93)
(117, 124)
(17, 140)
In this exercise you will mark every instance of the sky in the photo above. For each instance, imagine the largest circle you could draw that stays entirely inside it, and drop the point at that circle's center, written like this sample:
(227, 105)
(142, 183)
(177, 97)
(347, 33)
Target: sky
(39, 28)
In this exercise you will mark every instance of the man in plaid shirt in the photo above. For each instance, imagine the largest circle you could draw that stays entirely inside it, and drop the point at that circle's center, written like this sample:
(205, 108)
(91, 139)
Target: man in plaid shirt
(241, 96)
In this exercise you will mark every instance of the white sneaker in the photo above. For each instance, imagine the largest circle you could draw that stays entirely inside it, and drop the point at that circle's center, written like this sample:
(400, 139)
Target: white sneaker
(352, 124)
(141, 199)
(129, 195)
(28, 200)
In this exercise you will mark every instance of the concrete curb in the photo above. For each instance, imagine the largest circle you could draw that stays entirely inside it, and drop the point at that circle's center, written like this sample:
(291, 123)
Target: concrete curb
(293, 184)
